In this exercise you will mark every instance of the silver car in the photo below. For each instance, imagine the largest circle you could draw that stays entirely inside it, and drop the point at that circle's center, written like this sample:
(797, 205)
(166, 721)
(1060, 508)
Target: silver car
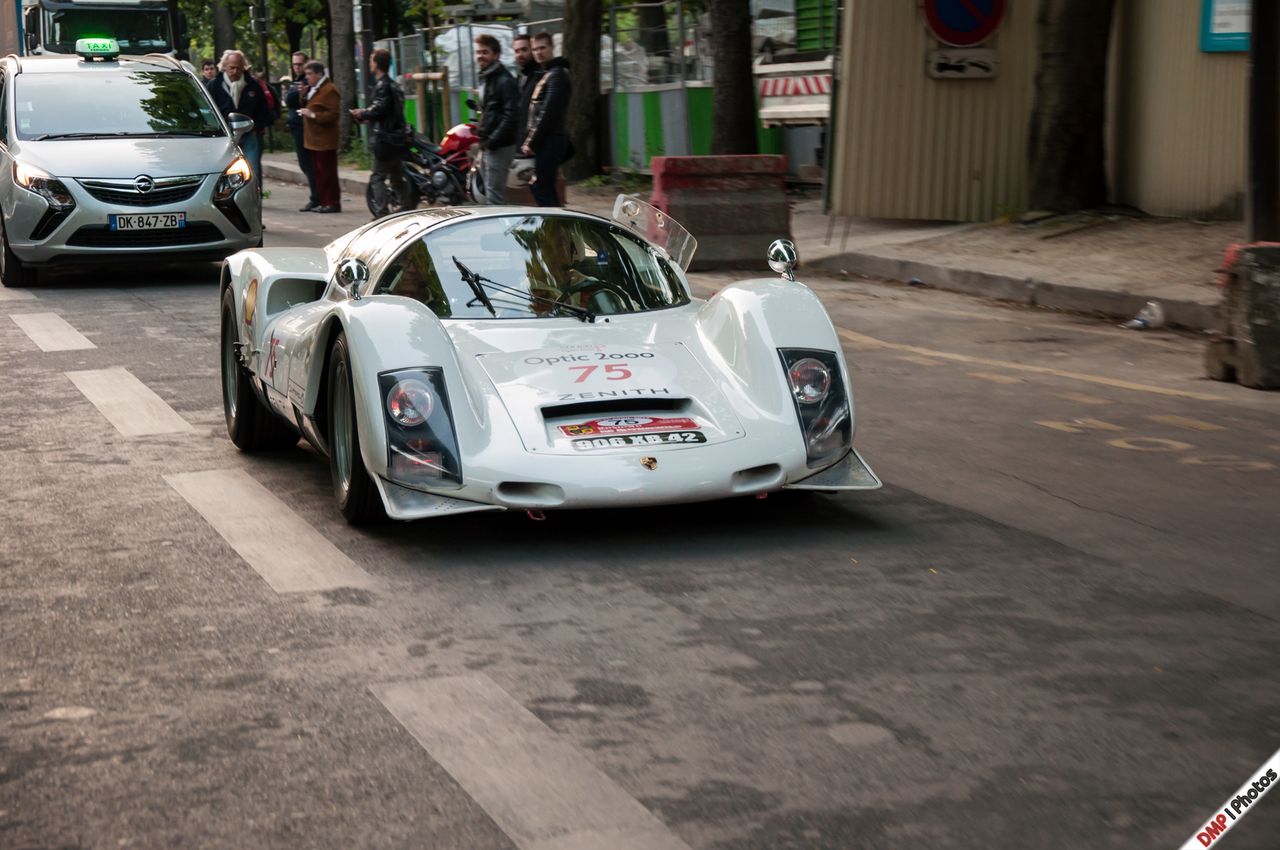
(110, 157)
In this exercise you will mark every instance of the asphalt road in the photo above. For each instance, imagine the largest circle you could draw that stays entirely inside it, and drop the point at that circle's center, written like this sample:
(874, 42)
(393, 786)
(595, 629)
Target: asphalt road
(1054, 627)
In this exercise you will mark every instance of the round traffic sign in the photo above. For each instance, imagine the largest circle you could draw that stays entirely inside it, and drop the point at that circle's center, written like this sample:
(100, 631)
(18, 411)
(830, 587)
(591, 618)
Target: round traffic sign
(962, 23)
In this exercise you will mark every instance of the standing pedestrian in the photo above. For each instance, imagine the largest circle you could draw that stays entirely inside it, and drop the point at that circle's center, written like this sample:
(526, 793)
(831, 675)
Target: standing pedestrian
(208, 69)
(320, 135)
(293, 101)
(388, 139)
(547, 140)
(499, 107)
(233, 90)
(528, 73)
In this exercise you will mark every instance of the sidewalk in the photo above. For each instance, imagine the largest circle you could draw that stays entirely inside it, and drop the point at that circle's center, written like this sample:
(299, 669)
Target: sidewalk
(1104, 266)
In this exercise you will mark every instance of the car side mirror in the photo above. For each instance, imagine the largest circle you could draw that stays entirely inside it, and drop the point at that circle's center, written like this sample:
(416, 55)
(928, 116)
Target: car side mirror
(783, 258)
(352, 274)
(240, 124)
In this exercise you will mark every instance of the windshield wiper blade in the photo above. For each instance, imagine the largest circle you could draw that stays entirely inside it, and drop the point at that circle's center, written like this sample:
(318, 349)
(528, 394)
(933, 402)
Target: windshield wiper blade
(473, 281)
(77, 136)
(478, 282)
(192, 133)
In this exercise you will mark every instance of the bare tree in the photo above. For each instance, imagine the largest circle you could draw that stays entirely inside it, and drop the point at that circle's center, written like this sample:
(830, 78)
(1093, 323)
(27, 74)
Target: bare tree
(582, 22)
(1066, 148)
(733, 102)
(342, 49)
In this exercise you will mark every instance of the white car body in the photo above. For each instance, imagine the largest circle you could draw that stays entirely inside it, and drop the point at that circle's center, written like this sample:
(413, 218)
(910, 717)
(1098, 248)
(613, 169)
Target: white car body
(536, 403)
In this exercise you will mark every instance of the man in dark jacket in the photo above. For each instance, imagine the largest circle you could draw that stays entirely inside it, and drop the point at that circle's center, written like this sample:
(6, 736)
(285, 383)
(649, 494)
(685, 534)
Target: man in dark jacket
(528, 73)
(547, 140)
(234, 91)
(293, 102)
(387, 140)
(499, 105)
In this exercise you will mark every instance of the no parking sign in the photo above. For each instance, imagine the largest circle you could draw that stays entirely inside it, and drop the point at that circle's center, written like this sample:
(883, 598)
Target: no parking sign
(962, 23)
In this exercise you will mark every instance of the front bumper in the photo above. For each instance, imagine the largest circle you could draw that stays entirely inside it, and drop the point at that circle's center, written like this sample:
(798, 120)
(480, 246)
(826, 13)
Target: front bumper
(40, 236)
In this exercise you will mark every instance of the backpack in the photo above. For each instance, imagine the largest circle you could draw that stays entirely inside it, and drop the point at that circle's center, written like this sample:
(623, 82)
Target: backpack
(273, 104)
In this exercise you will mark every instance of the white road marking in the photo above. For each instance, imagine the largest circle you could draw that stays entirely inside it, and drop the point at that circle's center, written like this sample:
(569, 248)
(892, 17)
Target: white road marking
(128, 404)
(51, 332)
(287, 552)
(540, 790)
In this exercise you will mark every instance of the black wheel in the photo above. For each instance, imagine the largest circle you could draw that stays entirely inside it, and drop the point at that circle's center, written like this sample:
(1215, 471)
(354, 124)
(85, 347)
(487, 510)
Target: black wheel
(251, 426)
(353, 487)
(13, 272)
(394, 203)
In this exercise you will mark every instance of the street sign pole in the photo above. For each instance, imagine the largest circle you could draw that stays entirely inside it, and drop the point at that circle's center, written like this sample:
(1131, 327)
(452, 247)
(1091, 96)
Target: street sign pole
(1263, 213)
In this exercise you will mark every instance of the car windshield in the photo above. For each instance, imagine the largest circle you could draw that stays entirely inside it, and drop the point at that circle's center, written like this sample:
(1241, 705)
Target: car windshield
(135, 30)
(530, 264)
(111, 103)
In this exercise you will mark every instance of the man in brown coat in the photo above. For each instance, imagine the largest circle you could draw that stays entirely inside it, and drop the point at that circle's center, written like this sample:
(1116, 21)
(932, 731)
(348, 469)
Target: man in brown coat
(321, 105)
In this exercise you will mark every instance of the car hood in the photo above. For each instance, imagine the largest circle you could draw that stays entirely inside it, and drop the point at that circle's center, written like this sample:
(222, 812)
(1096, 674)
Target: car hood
(128, 158)
(562, 382)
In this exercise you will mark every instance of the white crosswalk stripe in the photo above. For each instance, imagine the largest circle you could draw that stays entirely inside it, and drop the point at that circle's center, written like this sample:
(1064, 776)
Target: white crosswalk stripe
(51, 332)
(127, 403)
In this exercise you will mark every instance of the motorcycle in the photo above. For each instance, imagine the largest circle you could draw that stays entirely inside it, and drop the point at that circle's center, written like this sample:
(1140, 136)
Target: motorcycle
(438, 173)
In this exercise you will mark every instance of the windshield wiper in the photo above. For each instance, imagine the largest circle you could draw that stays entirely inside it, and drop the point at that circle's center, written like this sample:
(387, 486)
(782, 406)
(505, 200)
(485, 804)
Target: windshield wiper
(77, 136)
(477, 283)
(192, 133)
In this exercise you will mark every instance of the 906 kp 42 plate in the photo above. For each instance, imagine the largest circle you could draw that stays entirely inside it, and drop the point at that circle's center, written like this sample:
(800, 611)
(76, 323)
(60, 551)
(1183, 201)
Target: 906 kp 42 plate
(625, 440)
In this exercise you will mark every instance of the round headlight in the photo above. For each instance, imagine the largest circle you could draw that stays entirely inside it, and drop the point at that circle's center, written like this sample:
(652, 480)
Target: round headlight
(811, 380)
(410, 402)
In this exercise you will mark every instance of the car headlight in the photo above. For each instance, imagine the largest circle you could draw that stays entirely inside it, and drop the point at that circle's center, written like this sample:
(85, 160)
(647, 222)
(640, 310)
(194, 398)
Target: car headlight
(236, 175)
(821, 401)
(422, 446)
(43, 184)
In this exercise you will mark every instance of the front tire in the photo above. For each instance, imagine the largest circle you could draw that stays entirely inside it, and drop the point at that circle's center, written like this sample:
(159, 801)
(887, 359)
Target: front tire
(353, 488)
(251, 426)
(395, 203)
(13, 272)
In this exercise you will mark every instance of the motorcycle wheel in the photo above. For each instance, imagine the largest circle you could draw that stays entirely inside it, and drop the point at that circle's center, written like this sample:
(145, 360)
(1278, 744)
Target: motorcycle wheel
(394, 203)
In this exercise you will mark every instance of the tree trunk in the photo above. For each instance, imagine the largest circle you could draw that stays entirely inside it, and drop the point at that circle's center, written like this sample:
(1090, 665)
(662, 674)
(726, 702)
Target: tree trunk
(1066, 148)
(342, 69)
(224, 31)
(293, 32)
(733, 102)
(582, 23)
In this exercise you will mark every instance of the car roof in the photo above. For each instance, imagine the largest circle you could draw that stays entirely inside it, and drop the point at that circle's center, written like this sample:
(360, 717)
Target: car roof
(63, 63)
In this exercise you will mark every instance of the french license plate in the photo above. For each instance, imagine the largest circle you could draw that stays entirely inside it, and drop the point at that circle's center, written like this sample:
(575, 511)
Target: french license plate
(623, 441)
(147, 221)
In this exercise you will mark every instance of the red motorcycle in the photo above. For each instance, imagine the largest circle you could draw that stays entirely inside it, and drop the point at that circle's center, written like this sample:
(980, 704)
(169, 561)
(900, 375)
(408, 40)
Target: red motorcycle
(438, 173)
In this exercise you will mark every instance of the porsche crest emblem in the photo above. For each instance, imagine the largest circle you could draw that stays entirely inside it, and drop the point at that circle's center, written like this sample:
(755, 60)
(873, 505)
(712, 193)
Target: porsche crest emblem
(649, 462)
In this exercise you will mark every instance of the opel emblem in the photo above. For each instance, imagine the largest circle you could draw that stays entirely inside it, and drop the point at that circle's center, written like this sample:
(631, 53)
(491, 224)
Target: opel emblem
(649, 462)
(143, 183)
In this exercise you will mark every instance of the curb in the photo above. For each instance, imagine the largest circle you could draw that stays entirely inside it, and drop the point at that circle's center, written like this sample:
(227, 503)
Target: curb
(350, 181)
(1072, 298)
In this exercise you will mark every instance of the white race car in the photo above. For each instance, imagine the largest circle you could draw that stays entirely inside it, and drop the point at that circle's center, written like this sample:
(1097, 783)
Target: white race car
(497, 358)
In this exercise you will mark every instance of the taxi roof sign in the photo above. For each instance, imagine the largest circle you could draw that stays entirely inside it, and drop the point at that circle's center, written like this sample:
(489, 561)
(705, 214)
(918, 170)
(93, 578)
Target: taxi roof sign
(97, 48)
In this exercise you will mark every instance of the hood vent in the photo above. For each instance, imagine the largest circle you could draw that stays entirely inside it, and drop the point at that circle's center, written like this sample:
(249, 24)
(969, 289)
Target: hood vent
(611, 406)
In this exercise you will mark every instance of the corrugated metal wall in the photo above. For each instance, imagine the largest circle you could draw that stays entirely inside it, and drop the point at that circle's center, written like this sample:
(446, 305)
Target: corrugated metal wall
(1180, 115)
(911, 147)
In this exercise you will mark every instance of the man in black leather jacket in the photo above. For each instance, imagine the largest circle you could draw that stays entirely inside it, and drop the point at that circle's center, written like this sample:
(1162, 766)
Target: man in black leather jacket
(528, 72)
(548, 135)
(293, 102)
(499, 105)
(387, 138)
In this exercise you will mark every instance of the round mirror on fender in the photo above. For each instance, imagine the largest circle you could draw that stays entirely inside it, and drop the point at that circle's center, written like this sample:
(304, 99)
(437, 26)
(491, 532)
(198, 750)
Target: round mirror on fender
(352, 274)
(240, 124)
(783, 258)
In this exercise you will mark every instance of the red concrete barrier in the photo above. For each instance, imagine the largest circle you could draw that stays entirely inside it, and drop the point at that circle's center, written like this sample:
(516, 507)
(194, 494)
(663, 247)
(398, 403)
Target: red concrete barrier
(733, 205)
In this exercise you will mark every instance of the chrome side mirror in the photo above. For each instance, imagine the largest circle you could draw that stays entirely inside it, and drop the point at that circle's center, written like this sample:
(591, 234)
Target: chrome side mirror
(783, 258)
(352, 274)
(240, 123)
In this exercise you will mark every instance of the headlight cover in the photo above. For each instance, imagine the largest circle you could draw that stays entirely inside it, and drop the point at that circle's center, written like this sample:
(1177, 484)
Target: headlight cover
(42, 183)
(821, 401)
(236, 175)
(422, 445)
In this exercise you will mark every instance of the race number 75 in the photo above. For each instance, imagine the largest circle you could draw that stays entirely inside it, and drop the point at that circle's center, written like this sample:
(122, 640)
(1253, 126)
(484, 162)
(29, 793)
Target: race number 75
(612, 372)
